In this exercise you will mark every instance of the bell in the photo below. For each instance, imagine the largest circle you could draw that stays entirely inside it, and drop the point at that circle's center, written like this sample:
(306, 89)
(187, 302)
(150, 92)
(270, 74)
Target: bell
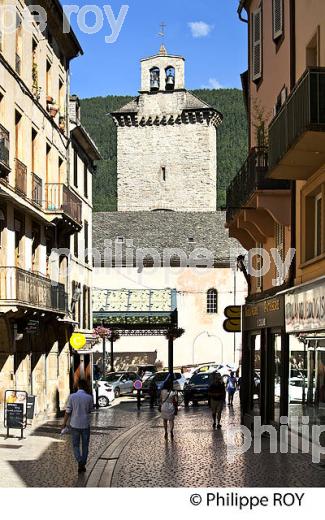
(155, 84)
(170, 81)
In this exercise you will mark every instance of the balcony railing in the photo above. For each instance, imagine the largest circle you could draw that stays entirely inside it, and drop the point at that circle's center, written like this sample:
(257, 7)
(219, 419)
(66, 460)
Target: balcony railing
(304, 110)
(4, 152)
(21, 178)
(250, 178)
(59, 198)
(33, 290)
(37, 190)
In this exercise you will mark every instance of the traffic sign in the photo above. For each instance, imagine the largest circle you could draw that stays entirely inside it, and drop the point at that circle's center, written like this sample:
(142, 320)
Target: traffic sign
(233, 321)
(137, 385)
(78, 340)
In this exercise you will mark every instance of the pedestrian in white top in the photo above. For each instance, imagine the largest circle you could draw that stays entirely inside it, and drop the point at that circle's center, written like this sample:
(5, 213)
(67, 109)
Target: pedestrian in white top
(78, 410)
(169, 405)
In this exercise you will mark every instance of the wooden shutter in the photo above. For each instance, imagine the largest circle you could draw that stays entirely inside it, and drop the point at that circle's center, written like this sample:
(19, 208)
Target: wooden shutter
(277, 18)
(257, 44)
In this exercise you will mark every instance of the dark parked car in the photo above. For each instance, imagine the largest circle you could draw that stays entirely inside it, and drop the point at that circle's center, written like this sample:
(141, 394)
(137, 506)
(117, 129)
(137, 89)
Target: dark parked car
(159, 378)
(196, 389)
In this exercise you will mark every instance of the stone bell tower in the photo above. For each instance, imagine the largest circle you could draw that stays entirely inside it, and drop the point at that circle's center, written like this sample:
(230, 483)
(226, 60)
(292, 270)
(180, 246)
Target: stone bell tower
(166, 143)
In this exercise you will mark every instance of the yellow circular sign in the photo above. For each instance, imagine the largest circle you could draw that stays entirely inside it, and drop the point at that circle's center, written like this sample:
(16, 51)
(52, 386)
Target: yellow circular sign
(78, 341)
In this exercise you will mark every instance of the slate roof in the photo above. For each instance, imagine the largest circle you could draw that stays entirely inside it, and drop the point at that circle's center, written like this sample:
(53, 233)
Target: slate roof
(191, 103)
(163, 230)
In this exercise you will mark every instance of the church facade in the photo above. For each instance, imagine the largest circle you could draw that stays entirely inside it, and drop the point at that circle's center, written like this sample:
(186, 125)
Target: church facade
(167, 232)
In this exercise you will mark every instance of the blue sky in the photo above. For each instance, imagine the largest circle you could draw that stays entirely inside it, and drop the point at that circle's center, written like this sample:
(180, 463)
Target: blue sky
(207, 33)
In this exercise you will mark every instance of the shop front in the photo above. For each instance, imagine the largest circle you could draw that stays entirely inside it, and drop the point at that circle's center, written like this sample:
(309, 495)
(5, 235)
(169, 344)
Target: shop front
(305, 324)
(265, 361)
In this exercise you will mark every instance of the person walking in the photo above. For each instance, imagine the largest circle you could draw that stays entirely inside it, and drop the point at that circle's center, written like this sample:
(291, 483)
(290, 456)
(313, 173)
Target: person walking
(78, 411)
(169, 405)
(231, 388)
(153, 393)
(217, 395)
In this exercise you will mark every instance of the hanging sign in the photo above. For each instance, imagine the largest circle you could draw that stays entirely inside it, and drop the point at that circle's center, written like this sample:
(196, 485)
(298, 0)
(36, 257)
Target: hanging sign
(78, 340)
(305, 309)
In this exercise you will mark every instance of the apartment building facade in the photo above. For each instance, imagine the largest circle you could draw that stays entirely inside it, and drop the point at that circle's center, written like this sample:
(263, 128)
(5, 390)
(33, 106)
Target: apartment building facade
(41, 208)
(275, 203)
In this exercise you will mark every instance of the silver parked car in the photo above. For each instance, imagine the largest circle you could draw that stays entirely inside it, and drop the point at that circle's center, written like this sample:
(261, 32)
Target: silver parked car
(121, 382)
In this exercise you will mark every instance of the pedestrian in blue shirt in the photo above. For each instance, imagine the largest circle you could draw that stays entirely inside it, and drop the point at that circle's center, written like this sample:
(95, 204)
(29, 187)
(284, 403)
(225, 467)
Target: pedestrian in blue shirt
(231, 388)
(78, 410)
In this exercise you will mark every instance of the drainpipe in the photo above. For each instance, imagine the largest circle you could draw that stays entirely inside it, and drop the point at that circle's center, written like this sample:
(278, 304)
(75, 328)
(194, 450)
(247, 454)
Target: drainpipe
(292, 273)
(292, 44)
(67, 121)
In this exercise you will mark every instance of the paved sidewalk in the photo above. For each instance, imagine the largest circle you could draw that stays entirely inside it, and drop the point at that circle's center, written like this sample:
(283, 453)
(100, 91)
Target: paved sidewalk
(197, 458)
(45, 459)
(128, 449)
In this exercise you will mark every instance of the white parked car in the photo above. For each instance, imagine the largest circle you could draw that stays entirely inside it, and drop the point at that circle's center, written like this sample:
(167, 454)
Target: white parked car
(105, 394)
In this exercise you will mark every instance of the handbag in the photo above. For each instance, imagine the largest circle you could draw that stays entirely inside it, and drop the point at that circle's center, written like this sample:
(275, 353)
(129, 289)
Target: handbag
(160, 404)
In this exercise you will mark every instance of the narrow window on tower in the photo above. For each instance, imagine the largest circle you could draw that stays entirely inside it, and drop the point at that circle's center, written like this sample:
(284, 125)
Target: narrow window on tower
(163, 173)
(212, 301)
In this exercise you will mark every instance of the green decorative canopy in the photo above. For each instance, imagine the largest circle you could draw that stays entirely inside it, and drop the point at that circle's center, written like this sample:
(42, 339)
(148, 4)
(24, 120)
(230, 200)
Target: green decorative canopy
(137, 309)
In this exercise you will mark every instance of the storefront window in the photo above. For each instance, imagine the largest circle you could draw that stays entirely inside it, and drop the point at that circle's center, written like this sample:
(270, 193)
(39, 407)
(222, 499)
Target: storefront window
(307, 380)
(277, 377)
(256, 373)
(298, 377)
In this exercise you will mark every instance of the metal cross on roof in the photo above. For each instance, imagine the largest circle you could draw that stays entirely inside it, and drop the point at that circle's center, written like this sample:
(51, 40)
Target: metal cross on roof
(162, 30)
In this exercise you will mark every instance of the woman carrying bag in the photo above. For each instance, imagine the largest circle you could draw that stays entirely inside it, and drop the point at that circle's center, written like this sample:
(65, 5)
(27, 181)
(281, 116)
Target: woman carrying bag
(168, 406)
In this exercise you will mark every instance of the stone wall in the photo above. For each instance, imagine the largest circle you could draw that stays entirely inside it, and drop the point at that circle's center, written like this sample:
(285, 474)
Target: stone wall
(188, 154)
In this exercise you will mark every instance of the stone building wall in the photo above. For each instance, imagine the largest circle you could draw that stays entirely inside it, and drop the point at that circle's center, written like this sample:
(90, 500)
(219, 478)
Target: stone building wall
(188, 154)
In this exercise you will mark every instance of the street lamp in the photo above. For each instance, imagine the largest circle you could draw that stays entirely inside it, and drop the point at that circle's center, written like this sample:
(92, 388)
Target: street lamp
(209, 336)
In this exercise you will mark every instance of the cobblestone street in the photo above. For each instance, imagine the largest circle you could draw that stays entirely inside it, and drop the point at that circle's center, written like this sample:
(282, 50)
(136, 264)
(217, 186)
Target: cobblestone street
(128, 449)
(197, 458)
(45, 459)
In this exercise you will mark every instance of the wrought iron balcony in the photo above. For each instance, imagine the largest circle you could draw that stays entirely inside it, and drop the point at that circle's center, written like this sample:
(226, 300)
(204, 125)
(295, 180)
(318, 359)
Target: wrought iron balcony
(19, 287)
(4, 152)
(37, 190)
(21, 178)
(250, 178)
(60, 199)
(297, 133)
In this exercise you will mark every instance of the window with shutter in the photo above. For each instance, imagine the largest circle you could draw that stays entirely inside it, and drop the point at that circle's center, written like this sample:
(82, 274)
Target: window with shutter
(257, 44)
(277, 18)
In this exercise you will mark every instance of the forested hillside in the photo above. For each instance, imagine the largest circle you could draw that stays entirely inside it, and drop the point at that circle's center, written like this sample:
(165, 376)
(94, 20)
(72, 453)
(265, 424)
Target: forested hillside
(232, 140)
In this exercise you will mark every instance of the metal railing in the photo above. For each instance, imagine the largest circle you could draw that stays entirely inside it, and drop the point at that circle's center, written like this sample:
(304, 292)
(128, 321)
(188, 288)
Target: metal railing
(4, 148)
(250, 177)
(32, 289)
(59, 198)
(303, 110)
(21, 178)
(37, 190)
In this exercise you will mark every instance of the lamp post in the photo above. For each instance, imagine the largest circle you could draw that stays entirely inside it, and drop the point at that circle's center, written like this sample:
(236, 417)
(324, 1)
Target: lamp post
(209, 336)
(171, 335)
(112, 335)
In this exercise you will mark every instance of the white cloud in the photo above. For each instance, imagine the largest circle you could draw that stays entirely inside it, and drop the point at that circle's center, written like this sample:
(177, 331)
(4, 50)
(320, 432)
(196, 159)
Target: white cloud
(200, 29)
(213, 83)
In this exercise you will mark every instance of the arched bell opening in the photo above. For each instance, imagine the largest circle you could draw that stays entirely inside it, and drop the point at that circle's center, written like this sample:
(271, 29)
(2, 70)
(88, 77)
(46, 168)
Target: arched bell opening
(154, 79)
(170, 78)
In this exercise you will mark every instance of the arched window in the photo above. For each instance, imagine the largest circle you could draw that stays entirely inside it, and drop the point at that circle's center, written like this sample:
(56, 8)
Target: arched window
(212, 301)
(170, 78)
(154, 79)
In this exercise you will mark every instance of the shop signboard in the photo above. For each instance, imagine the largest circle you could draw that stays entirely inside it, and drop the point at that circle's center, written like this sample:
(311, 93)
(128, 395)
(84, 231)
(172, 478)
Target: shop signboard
(305, 309)
(15, 410)
(266, 313)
